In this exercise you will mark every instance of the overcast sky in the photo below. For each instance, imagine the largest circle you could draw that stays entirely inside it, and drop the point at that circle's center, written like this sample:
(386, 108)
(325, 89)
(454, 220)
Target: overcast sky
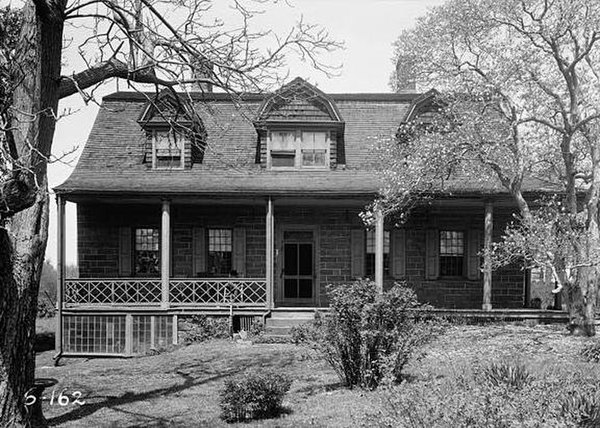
(367, 27)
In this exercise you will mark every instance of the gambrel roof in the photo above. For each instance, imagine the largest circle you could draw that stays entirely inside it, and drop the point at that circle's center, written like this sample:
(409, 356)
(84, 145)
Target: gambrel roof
(112, 159)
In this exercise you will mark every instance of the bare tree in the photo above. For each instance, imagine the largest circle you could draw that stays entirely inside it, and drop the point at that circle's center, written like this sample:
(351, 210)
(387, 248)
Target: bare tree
(520, 80)
(162, 43)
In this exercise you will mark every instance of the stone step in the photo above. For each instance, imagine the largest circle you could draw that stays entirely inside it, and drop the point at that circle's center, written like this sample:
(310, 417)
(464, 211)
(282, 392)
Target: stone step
(287, 322)
(278, 330)
(290, 314)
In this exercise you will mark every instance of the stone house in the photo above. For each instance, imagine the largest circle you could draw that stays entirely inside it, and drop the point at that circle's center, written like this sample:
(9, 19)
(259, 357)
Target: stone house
(204, 204)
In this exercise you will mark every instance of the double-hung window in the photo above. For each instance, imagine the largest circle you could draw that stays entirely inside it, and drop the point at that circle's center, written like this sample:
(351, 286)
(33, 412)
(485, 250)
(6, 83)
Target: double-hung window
(299, 150)
(147, 252)
(452, 253)
(168, 149)
(370, 253)
(220, 252)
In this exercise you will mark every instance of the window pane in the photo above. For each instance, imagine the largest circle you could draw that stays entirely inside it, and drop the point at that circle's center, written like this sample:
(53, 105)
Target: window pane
(147, 251)
(313, 157)
(452, 243)
(305, 266)
(314, 140)
(291, 259)
(168, 142)
(168, 149)
(371, 241)
(305, 288)
(282, 159)
(290, 288)
(452, 249)
(370, 256)
(283, 140)
(219, 251)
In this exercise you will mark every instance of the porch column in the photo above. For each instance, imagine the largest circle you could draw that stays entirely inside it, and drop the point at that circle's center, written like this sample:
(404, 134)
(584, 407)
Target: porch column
(269, 265)
(60, 270)
(379, 250)
(165, 252)
(487, 261)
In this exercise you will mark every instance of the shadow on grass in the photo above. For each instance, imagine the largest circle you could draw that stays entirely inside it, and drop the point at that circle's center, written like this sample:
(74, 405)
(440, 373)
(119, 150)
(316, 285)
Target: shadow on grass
(43, 342)
(130, 397)
(318, 388)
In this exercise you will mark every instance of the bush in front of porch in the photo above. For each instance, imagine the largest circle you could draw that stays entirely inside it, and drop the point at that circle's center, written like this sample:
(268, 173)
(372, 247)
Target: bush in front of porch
(368, 337)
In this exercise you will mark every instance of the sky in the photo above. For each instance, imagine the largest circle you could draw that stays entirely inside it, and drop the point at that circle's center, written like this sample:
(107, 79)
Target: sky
(368, 29)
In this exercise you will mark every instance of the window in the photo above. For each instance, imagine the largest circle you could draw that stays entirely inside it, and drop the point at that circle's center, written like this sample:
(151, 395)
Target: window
(370, 256)
(167, 149)
(219, 252)
(452, 253)
(147, 252)
(292, 149)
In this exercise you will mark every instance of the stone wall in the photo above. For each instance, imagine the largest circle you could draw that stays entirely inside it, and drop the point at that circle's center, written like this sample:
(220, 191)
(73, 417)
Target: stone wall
(98, 245)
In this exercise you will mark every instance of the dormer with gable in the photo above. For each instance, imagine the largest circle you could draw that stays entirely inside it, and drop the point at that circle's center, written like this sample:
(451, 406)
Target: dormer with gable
(299, 128)
(175, 136)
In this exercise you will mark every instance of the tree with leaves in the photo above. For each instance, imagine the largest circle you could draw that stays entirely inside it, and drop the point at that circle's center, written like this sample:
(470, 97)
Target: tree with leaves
(518, 103)
(164, 44)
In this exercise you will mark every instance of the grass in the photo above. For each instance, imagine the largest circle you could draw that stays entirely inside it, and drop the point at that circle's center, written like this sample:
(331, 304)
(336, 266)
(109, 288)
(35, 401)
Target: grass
(181, 388)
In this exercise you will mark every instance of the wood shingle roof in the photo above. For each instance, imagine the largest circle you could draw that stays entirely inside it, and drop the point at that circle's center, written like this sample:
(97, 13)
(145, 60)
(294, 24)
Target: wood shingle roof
(112, 159)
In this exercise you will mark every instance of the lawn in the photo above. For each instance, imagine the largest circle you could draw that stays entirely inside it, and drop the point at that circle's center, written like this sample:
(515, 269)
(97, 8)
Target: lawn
(181, 387)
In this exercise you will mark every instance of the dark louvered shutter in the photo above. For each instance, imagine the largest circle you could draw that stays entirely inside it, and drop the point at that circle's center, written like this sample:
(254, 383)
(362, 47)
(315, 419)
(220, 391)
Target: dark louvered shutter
(125, 251)
(357, 247)
(398, 253)
(432, 254)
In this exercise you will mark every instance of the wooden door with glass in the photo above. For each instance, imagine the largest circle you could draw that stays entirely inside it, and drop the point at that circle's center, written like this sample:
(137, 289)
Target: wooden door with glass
(297, 272)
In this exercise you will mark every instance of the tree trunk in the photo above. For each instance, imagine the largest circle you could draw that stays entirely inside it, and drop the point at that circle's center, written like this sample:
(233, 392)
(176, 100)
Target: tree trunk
(581, 302)
(22, 248)
(36, 75)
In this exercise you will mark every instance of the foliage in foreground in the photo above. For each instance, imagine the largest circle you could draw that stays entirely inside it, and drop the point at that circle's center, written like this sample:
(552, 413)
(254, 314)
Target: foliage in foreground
(201, 328)
(368, 337)
(476, 399)
(254, 395)
(591, 351)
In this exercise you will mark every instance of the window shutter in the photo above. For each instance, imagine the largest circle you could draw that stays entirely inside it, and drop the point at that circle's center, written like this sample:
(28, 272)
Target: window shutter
(398, 253)
(125, 251)
(358, 253)
(333, 149)
(239, 251)
(432, 250)
(198, 251)
(473, 263)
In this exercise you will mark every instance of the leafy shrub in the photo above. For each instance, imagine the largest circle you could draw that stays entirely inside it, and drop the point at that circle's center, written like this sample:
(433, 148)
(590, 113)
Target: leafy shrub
(591, 351)
(582, 407)
(202, 328)
(513, 375)
(45, 308)
(255, 395)
(368, 336)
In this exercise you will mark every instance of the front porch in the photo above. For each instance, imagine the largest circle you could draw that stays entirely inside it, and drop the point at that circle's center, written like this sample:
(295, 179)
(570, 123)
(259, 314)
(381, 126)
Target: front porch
(279, 253)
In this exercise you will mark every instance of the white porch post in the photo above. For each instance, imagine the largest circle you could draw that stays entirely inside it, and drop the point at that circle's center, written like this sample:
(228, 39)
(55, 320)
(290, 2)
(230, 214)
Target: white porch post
(379, 250)
(487, 261)
(269, 265)
(60, 267)
(165, 253)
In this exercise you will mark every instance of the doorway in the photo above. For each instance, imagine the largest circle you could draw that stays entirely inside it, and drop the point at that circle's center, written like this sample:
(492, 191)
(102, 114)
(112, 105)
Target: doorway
(298, 268)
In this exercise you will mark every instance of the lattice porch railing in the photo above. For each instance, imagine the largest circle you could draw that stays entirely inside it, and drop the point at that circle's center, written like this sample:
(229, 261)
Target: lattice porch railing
(183, 292)
(112, 292)
(218, 292)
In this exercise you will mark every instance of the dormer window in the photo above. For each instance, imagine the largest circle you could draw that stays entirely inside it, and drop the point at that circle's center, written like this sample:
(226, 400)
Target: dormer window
(292, 149)
(168, 147)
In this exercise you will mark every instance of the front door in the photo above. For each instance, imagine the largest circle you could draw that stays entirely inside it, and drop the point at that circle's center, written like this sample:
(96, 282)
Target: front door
(298, 274)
